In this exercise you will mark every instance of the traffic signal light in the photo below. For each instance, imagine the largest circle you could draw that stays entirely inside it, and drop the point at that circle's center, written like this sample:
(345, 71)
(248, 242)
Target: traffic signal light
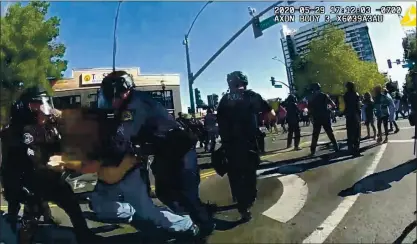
(256, 26)
(273, 81)
(215, 100)
(389, 63)
(398, 61)
(198, 99)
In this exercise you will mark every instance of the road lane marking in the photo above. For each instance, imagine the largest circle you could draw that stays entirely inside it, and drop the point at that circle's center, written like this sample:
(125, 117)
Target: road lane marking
(333, 220)
(400, 141)
(292, 200)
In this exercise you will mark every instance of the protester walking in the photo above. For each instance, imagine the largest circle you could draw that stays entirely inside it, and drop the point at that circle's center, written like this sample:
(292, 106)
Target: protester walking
(282, 114)
(382, 112)
(391, 117)
(369, 108)
(353, 117)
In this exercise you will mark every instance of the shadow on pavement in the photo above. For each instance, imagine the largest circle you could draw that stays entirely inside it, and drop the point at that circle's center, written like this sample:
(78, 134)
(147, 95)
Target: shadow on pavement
(223, 225)
(316, 161)
(62, 234)
(380, 181)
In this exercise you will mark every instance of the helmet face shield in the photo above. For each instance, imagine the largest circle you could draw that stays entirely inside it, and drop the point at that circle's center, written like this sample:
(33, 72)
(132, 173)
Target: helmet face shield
(114, 89)
(42, 104)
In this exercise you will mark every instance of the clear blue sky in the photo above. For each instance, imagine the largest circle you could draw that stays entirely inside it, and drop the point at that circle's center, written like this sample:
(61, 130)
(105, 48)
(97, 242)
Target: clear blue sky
(150, 36)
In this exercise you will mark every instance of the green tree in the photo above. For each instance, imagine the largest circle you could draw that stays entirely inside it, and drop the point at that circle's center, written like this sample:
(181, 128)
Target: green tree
(410, 54)
(332, 62)
(29, 49)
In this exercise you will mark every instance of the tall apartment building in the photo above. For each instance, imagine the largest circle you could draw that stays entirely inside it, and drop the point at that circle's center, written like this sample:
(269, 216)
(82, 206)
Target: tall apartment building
(295, 42)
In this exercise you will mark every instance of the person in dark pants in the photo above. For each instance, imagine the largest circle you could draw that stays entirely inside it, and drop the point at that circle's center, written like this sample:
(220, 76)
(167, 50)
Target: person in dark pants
(237, 117)
(145, 121)
(413, 101)
(210, 126)
(26, 176)
(293, 119)
(261, 133)
(320, 113)
(398, 106)
(382, 112)
(353, 117)
(369, 114)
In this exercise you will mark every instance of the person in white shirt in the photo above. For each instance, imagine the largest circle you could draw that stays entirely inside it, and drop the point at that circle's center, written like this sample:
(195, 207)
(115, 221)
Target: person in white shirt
(391, 113)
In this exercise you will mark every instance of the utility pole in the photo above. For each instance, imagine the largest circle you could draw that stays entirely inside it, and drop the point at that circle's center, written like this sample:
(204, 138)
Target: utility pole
(187, 56)
(189, 75)
(116, 18)
(288, 69)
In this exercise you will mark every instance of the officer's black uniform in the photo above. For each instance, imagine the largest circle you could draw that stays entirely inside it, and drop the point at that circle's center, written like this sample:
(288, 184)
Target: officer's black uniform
(148, 124)
(353, 117)
(320, 113)
(293, 119)
(237, 119)
(25, 176)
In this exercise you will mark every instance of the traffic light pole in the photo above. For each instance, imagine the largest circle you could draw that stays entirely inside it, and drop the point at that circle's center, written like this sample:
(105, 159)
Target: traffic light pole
(236, 35)
(289, 75)
(189, 75)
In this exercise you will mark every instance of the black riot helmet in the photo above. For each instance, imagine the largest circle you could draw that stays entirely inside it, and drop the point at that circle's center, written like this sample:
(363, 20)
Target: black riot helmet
(32, 103)
(315, 87)
(237, 79)
(291, 98)
(115, 88)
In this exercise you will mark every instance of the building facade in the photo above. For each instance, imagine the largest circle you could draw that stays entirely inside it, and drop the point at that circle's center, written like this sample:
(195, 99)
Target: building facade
(82, 88)
(295, 42)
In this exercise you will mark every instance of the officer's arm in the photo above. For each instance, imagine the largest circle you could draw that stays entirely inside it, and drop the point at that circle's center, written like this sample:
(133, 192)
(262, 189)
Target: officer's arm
(263, 106)
(330, 101)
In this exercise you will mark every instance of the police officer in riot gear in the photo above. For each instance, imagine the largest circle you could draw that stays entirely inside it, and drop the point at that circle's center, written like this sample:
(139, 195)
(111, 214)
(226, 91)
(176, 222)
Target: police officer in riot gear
(237, 120)
(26, 177)
(144, 121)
(318, 106)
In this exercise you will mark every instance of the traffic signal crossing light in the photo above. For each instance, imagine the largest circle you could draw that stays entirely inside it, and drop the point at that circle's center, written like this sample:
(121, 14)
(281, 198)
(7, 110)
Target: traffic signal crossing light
(274, 83)
(405, 63)
(389, 63)
(256, 26)
(199, 102)
(215, 100)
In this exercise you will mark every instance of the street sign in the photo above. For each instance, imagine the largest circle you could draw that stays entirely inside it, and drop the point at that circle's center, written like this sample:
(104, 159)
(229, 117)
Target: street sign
(268, 22)
(278, 86)
(408, 64)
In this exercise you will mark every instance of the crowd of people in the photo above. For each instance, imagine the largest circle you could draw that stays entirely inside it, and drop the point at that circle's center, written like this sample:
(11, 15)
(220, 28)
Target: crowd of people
(130, 125)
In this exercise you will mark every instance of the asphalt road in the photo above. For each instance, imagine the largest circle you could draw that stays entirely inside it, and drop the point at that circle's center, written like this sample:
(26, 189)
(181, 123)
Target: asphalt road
(331, 198)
